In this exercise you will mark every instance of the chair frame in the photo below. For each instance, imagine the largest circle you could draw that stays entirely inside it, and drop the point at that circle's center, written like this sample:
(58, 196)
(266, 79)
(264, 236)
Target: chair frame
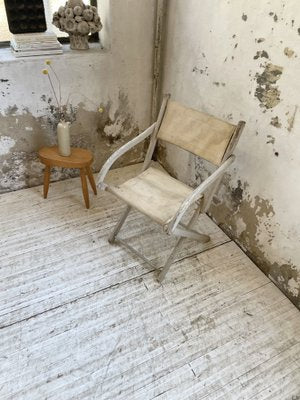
(174, 226)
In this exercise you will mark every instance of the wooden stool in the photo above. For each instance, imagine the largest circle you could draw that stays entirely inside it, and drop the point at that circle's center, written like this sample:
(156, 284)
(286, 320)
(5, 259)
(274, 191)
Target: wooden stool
(79, 158)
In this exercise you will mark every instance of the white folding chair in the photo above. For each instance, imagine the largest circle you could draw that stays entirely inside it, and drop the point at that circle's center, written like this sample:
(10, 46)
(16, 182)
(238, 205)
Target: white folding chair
(159, 196)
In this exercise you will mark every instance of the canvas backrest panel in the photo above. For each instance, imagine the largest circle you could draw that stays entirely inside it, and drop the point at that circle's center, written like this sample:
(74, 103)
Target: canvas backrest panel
(199, 133)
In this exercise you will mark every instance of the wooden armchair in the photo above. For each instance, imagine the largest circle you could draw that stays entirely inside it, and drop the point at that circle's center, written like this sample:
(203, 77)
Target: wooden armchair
(159, 196)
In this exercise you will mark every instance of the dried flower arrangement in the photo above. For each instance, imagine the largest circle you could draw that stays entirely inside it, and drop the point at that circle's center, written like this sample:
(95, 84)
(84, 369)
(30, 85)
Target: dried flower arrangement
(64, 120)
(78, 20)
(57, 93)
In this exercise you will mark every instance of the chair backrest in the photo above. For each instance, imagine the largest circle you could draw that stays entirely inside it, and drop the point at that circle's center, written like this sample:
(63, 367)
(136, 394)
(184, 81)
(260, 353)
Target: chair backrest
(199, 133)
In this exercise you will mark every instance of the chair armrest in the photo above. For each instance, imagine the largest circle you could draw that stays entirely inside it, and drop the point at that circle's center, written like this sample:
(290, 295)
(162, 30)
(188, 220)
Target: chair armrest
(197, 193)
(117, 154)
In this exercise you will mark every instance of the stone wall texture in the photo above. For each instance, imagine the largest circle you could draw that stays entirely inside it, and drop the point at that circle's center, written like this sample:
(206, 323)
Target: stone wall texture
(239, 60)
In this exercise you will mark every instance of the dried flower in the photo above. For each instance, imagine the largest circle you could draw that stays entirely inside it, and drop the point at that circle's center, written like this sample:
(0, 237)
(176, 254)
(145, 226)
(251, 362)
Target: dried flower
(62, 23)
(88, 15)
(93, 27)
(70, 25)
(56, 90)
(74, 3)
(69, 13)
(77, 18)
(46, 72)
(78, 10)
(83, 28)
(56, 23)
(61, 11)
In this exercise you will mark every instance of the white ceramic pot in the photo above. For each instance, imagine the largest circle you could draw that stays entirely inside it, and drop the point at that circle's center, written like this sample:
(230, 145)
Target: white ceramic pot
(63, 137)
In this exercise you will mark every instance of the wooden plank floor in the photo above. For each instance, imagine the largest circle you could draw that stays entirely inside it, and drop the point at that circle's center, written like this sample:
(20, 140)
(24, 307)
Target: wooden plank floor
(81, 319)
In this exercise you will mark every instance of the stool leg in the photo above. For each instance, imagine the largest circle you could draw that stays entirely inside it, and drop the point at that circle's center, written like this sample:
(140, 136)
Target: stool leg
(46, 180)
(91, 179)
(84, 187)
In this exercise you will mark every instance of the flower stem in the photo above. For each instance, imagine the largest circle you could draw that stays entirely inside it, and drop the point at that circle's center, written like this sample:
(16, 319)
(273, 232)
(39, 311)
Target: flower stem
(59, 106)
(59, 87)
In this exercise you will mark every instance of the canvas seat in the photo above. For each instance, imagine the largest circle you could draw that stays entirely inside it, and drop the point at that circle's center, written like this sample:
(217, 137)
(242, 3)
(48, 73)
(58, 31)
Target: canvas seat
(154, 193)
(162, 198)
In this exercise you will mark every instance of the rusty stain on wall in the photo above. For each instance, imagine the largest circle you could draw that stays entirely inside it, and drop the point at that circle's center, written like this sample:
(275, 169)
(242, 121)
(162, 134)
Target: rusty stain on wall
(275, 17)
(22, 135)
(4, 87)
(275, 122)
(201, 70)
(266, 91)
(243, 218)
(271, 139)
(261, 54)
(219, 84)
(288, 52)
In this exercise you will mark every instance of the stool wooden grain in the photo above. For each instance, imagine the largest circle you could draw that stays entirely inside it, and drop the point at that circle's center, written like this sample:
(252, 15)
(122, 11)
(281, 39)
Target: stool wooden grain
(79, 158)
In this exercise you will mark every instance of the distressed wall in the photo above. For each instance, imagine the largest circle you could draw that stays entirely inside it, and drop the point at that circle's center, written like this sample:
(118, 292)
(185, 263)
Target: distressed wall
(239, 60)
(118, 78)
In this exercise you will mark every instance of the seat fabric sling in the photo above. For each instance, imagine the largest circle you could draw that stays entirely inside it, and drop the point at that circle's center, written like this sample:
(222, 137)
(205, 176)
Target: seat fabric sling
(197, 132)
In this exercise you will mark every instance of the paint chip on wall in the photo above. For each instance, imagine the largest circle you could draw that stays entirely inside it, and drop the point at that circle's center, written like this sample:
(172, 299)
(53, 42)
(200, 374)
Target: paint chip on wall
(261, 54)
(6, 143)
(266, 91)
(288, 52)
(275, 122)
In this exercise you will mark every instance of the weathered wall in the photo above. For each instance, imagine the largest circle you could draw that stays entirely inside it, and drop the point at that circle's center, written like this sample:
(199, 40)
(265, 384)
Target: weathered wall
(118, 78)
(238, 60)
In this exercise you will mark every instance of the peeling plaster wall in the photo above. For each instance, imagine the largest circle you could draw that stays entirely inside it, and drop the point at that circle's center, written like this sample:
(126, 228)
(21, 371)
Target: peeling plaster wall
(117, 78)
(239, 60)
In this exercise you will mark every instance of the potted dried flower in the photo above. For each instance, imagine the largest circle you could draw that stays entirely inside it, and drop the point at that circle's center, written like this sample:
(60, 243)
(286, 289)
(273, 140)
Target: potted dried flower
(78, 20)
(63, 126)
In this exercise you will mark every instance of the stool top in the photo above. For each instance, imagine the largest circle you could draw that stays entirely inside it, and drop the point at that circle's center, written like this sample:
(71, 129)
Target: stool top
(79, 158)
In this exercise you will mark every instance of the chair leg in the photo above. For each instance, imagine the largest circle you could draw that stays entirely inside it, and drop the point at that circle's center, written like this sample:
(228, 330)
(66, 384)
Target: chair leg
(119, 225)
(91, 179)
(84, 188)
(183, 231)
(178, 245)
(46, 180)
(170, 260)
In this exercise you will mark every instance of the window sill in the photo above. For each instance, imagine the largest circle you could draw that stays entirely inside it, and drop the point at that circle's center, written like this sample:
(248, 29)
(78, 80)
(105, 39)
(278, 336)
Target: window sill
(6, 55)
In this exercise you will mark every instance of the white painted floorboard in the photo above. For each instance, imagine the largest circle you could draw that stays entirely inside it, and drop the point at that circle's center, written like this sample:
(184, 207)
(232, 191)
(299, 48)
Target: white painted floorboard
(81, 319)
